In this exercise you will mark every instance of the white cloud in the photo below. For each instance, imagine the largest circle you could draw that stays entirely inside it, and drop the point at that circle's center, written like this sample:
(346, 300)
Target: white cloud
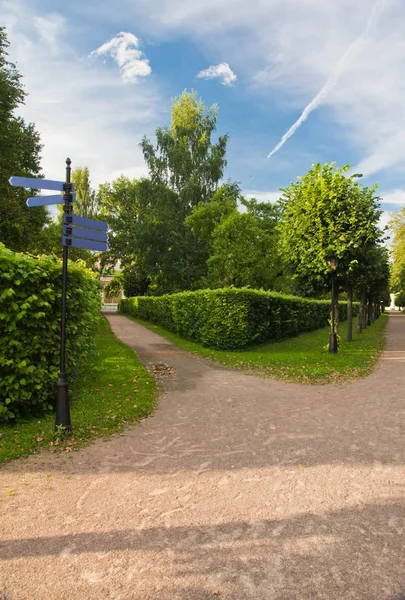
(271, 196)
(290, 49)
(333, 79)
(80, 111)
(394, 197)
(124, 49)
(222, 71)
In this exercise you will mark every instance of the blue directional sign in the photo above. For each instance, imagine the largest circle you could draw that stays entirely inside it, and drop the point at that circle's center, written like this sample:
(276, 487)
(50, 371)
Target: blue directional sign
(90, 234)
(85, 222)
(37, 184)
(45, 200)
(80, 243)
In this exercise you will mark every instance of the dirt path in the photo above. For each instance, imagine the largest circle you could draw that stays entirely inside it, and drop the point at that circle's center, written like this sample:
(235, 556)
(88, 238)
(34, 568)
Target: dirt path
(254, 488)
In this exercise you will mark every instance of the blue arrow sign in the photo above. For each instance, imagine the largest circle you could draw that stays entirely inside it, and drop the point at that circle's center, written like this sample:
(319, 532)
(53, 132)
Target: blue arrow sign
(88, 244)
(85, 222)
(45, 200)
(90, 234)
(37, 184)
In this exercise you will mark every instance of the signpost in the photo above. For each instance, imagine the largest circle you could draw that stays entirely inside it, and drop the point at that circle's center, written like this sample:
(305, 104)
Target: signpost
(46, 200)
(78, 232)
(39, 184)
(87, 244)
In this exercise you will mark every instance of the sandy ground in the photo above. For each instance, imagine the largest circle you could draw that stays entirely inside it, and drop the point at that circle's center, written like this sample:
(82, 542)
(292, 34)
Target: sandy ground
(238, 487)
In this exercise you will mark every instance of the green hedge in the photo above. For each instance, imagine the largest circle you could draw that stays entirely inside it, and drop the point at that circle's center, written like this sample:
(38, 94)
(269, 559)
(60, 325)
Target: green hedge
(30, 305)
(230, 318)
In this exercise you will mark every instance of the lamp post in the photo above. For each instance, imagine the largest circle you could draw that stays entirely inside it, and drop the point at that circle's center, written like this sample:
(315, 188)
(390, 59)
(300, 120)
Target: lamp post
(333, 347)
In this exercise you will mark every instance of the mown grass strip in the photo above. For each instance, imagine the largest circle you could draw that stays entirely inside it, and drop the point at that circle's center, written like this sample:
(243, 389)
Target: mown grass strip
(113, 391)
(303, 359)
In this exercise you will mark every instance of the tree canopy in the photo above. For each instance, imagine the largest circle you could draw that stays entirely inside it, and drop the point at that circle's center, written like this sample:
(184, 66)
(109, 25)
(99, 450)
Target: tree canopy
(397, 227)
(19, 155)
(185, 158)
(327, 213)
(148, 217)
(86, 199)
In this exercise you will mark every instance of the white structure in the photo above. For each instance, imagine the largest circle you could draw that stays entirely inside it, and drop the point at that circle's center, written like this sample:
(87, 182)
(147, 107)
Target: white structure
(392, 305)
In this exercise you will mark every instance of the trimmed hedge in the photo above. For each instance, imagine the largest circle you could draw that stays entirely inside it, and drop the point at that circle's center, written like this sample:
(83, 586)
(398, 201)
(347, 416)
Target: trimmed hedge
(230, 318)
(30, 305)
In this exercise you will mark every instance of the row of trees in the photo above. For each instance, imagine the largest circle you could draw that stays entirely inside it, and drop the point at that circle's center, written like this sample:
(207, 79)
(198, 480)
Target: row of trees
(184, 228)
(397, 226)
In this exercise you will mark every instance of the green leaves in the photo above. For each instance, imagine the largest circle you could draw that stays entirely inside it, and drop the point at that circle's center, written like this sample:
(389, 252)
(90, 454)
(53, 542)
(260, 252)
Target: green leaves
(328, 213)
(30, 325)
(19, 155)
(231, 318)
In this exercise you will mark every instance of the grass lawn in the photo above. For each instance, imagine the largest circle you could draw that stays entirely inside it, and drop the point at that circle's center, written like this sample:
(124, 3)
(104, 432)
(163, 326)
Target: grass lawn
(302, 359)
(113, 391)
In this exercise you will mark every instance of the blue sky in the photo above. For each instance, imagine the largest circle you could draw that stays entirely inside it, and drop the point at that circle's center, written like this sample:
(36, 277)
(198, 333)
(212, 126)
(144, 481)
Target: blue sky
(102, 74)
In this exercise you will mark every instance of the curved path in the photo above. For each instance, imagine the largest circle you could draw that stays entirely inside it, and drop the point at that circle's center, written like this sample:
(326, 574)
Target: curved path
(238, 487)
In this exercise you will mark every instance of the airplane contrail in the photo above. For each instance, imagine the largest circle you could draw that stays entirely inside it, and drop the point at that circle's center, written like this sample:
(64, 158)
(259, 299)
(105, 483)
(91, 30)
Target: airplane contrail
(351, 51)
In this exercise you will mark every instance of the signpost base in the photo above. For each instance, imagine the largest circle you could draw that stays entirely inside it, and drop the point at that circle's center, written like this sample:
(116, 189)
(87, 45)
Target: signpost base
(62, 403)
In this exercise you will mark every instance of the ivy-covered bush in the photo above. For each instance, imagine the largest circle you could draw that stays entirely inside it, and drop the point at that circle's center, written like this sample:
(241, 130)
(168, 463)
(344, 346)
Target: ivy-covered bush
(30, 307)
(231, 318)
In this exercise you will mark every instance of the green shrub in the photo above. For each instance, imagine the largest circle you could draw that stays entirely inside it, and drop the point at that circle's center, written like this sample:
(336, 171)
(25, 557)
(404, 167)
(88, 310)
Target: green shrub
(230, 318)
(30, 306)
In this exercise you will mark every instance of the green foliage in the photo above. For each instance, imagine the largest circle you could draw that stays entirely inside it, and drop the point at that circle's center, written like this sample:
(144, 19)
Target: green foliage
(86, 204)
(300, 359)
(185, 158)
(328, 214)
(231, 318)
(19, 155)
(30, 304)
(114, 287)
(113, 391)
(243, 246)
(134, 281)
(397, 228)
(155, 245)
(150, 236)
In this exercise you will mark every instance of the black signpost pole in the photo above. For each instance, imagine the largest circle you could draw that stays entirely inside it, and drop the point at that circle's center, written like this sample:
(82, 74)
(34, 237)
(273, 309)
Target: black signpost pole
(77, 232)
(62, 395)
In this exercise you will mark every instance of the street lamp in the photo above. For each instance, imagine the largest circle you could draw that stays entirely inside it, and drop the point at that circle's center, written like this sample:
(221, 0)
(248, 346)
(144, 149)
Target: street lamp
(333, 347)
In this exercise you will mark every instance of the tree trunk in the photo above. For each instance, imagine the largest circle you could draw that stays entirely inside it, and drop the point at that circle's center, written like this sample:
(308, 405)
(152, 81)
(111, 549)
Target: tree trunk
(370, 310)
(337, 311)
(349, 313)
(360, 318)
(364, 305)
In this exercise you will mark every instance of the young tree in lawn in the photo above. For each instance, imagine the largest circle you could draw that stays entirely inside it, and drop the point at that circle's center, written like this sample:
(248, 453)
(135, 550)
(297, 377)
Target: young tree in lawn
(19, 155)
(328, 213)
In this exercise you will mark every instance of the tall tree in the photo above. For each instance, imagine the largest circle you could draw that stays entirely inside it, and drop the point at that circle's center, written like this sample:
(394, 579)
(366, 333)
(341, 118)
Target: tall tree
(149, 235)
(148, 217)
(19, 155)
(86, 200)
(327, 213)
(185, 158)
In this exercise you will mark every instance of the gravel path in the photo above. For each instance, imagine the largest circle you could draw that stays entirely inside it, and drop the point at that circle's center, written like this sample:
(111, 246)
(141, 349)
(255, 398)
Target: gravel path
(238, 487)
